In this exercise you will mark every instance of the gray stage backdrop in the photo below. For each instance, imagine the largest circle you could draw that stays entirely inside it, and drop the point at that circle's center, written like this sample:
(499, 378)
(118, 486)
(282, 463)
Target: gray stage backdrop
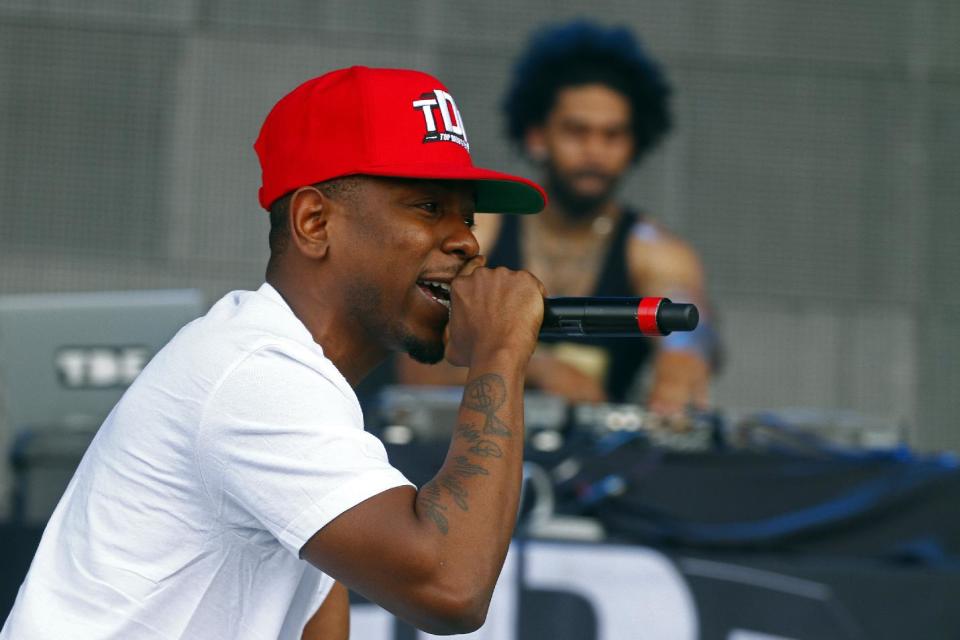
(814, 163)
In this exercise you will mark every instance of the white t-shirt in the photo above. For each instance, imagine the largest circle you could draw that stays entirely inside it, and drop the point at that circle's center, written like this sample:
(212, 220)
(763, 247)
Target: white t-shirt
(185, 519)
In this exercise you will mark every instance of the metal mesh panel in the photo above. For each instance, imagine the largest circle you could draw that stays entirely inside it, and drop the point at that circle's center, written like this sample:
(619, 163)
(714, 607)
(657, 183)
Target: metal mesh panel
(85, 126)
(813, 163)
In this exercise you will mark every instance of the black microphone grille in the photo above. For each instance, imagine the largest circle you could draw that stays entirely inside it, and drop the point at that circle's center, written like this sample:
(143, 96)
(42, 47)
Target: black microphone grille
(677, 316)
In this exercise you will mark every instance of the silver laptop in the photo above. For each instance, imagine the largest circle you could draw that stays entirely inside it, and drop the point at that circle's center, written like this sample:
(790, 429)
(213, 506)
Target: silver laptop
(65, 360)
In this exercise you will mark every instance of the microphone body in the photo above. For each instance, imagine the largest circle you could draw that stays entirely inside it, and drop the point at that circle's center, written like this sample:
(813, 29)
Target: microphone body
(616, 317)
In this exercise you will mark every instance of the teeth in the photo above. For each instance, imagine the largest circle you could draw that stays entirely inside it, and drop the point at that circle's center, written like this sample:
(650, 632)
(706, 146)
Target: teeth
(442, 285)
(439, 285)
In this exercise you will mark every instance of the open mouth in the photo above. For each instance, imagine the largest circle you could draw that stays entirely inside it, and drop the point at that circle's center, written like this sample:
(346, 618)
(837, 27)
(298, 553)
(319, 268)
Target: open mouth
(437, 291)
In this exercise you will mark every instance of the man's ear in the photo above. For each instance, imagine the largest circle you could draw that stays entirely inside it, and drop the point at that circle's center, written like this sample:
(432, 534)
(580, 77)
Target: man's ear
(535, 142)
(309, 214)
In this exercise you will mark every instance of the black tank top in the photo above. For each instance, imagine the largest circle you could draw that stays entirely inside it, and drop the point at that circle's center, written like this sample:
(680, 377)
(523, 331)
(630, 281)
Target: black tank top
(625, 356)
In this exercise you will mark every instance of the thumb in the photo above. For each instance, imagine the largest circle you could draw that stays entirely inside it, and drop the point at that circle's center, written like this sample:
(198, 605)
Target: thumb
(472, 265)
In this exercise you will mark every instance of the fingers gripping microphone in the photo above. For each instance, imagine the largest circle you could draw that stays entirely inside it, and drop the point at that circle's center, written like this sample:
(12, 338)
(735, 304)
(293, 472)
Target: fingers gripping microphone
(616, 317)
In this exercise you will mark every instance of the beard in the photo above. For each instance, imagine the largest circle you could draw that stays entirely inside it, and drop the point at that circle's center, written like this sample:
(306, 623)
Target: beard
(423, 351)
(576, 203)
(364, 303)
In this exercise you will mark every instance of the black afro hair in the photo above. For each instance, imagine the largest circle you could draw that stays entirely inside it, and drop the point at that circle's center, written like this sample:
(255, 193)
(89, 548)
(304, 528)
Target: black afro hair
(583, 52)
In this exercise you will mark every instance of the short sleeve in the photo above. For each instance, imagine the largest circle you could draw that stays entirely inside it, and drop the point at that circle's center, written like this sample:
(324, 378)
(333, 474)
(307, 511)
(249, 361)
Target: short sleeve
(281, 441)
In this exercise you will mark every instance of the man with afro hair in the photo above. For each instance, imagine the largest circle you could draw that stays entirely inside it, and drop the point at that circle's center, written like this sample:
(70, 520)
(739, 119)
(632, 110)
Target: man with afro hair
(586, 104)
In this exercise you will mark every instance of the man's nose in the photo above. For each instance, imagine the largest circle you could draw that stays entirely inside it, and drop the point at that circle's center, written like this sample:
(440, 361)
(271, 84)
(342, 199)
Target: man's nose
(460, 240)
(596, 147)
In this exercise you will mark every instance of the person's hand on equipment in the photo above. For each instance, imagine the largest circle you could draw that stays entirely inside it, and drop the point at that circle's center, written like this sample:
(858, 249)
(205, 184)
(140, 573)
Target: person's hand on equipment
(680, 380)
(557, 377)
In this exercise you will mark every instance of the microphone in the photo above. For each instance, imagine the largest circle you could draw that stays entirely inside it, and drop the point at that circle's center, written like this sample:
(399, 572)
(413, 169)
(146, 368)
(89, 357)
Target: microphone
(616, 317)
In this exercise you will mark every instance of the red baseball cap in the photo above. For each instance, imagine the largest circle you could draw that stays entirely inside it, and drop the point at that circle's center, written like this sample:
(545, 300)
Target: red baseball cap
(380, 122)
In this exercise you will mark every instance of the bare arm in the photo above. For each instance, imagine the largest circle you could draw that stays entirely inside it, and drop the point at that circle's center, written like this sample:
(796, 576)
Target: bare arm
(662, 264)
(433, 557)
(558, 377)
(332, 619)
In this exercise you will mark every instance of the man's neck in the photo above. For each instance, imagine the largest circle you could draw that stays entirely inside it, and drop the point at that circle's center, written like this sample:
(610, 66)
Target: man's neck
(557, 219)
(353, 356)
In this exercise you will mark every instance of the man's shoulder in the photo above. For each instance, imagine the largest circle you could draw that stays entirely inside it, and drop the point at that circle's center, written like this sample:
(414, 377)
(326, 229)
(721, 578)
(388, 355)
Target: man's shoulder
(245, 333)
(646, 231)
(244, 321)
(658, 257)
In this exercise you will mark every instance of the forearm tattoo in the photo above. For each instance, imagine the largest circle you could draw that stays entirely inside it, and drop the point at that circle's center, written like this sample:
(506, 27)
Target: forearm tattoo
(456, 490)
(481, 446)
(468, 432)
(428, 499)
(485, 395)
(464, 468)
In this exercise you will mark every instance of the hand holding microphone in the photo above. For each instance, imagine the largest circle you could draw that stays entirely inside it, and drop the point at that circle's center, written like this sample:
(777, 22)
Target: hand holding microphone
(492, 310)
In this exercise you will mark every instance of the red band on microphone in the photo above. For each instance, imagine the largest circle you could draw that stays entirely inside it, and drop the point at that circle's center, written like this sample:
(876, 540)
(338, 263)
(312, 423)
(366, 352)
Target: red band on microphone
(647, 316)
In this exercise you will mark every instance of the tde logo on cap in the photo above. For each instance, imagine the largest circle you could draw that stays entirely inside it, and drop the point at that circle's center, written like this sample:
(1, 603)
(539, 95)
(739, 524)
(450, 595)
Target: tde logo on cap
(378, 122)
(442, 102)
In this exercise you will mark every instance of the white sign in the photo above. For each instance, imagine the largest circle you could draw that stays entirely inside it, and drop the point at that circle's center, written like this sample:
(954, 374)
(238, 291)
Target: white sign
(635, 592)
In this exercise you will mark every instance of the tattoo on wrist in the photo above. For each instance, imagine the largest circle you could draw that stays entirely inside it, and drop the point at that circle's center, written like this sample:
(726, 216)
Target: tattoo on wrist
(485, 394)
